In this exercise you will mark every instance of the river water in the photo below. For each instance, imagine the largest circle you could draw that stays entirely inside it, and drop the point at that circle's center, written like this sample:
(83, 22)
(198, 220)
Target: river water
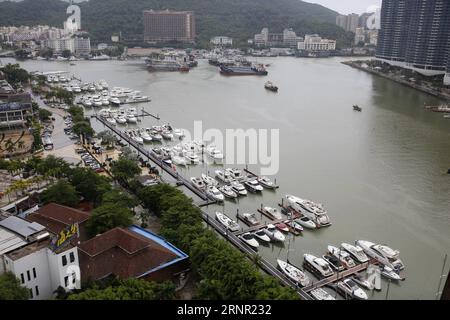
(381, 174)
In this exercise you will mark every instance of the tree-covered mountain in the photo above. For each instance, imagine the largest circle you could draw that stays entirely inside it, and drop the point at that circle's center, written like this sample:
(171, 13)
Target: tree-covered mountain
(240, 19)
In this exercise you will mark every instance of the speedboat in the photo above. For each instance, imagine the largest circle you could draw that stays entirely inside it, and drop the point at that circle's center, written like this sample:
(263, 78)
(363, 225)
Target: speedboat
(320, 294)
(350, 289)
(356, 252)
(250, 219)
(198, 183)
(230, 224)
(253, 186)
(334, 262)
(343, 256)
(383, 254)
(238, 188)
(274, 213)
(293, 273)
(306, 222)
(266, 183)
(270, 86)
(224, 176)
(261, 236)
(363, 281)
(228, 192)
(314, 211)
(282, 227)
(236, 174)
(294, 225)
(319, 265)
(214, 193)
(209, 180)
(390, 274)
(274, 234)
(250, 240)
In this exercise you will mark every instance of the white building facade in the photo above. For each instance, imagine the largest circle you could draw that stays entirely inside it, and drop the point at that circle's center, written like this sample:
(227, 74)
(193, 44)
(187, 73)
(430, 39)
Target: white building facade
(315, 43)
(222, 41)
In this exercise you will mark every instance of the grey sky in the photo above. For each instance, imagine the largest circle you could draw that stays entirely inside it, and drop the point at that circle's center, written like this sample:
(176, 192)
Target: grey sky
(347, 6)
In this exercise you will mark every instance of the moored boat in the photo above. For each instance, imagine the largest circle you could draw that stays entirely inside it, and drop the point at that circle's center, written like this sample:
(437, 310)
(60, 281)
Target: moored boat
(227, 222)
(293, 273)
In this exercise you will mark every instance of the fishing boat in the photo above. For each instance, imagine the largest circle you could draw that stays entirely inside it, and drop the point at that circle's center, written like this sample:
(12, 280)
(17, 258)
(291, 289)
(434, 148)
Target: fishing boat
(250, 240)
(274, 234)
(349, 288)
(227, 222)
(270, 86)
(261, 236)
(293, 273)
(228, 192)
(273, 213)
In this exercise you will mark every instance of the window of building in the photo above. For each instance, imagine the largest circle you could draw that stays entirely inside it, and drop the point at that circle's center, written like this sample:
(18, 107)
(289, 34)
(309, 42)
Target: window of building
(72, 257)
(37, 290)
(74, 278)
(34, 273)
(22, 278)
(31, 293)
(28, 275)
(64, 260)
(66, 281)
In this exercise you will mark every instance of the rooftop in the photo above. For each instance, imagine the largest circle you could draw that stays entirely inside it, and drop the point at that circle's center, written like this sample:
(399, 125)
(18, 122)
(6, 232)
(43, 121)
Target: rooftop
(21, 227)
(28, 249)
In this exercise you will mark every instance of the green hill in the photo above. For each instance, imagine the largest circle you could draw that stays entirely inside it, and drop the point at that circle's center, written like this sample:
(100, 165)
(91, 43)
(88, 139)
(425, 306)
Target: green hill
(240, 19)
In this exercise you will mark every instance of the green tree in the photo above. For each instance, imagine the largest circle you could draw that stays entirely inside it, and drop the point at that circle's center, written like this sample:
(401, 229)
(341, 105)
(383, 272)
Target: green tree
(119, 198)
(14, 74)
(10, 288)
(90, 185)
(62, 192)
(84, 128)
(125, 169)
(107, 217)
(54, 167)
(44, 114)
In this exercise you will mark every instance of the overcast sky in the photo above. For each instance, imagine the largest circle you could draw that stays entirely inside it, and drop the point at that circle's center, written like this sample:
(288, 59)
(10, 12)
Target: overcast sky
(347, 6)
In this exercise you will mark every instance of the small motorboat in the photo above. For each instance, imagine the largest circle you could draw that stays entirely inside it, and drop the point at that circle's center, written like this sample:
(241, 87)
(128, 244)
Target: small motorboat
(210, 181)
(389, 273)
(198, 183)
(293, 273)
(274, 213)
(250, 219)
(270, 86)
(320, 294)
(343, 256)
(356, 252)
(334, 262)
(266, 183)
(238, 188)
(253, 186)
(363, 281)
(261, 236)
(214, 193)
(226, 221)
(274, 234)
(349, 288)
(228, 192)
(357, 108)
(282, 227)
(250, 240)
(306, 223)
(319, 265)
(294, 225)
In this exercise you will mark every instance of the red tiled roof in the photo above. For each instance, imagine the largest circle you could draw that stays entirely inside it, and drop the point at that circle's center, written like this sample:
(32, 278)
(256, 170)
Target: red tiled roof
(56, 217)
(121, 252)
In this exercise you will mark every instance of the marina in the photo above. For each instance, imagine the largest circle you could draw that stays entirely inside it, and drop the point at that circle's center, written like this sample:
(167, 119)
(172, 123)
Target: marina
(304, 161)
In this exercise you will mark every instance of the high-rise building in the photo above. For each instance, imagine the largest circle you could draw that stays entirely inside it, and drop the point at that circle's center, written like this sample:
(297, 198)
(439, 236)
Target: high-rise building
(169, 26)
(415, 34)
(429, 28)
(447, 74)
(360, 36)
(349, 22)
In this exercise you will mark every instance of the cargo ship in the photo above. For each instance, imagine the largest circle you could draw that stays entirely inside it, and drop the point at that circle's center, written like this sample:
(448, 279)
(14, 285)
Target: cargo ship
(243, 70)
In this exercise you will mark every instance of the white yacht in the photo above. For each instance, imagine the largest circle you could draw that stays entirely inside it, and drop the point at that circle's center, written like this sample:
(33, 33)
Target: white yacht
(261, 236)
(356, 252)
(224, 176)
(214, 153)
(131, 118)
(250, 219)
(306, 222)
(179, 160)
(145, 136)
(274, 234)
(178, 133)
(383, 254)
(343, 256)
(229, 223)
(191, 157)
(198, 183)
(166, 134)
(390, 274)
(266, 183)
(349, 288)
(250, 240)
(210, 181)
(238, 188)
(318, 264)
(274, 213)
(320, 294)
(137, 139)
(293, 273)
(294, 225)
(228, 192)
(312, 210)
(253, 186)
(214, 193)
(236, 174)
(121, 119)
